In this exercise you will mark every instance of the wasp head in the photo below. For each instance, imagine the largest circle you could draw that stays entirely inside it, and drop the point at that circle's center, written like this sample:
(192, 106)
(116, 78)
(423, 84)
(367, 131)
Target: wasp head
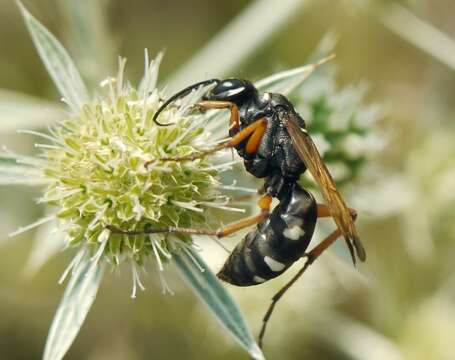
(237, 91)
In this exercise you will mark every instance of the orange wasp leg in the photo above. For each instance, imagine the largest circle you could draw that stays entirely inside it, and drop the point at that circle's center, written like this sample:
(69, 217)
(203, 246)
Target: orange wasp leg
(264, 204)
(253, 132)
(322, 211)
(210, 104)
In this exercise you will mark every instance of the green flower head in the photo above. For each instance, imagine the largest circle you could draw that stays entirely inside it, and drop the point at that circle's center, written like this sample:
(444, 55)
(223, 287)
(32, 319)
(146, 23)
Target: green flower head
(104, 169)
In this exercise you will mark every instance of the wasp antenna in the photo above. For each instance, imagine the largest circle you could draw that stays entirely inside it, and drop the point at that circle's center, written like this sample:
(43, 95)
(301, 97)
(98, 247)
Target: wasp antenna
(179, 95)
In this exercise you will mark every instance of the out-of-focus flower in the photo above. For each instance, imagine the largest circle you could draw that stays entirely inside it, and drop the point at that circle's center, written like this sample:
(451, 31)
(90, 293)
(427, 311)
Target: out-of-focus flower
(341, 125)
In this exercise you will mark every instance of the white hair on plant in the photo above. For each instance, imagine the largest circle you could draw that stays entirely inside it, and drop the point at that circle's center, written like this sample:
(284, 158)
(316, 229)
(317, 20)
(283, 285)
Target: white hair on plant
(33, 225)
(136, 280)
(72, 265)
(234, 187)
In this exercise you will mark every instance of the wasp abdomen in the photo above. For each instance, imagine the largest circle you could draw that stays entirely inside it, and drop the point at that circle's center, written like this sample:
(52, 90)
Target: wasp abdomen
(276, 243)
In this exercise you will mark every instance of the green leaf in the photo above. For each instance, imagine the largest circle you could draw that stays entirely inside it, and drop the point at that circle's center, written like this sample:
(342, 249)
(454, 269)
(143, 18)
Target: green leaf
(205, 284)
(89, 38)
(18, 179)
(76, 302)
(286, 81)
(23, 111)
(57, 61)
(48, 242)
(20, 175)
(18, 170)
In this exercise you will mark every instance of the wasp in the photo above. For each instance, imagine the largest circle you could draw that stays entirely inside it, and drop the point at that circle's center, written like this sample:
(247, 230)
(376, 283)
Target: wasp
(271, 137)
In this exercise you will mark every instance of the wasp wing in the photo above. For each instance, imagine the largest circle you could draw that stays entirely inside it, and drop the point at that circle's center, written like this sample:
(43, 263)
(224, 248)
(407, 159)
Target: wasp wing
(309, 154)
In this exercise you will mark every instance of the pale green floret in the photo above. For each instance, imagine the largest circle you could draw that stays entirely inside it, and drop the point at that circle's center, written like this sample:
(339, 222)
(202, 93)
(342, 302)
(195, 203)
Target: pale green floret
(99, 178)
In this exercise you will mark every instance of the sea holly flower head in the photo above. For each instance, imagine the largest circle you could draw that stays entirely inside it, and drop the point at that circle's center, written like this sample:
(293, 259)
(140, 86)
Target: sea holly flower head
(105, 170)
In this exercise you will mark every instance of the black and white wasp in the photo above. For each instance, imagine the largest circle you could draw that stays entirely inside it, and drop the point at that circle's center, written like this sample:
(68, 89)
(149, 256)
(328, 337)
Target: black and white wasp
(271, 137)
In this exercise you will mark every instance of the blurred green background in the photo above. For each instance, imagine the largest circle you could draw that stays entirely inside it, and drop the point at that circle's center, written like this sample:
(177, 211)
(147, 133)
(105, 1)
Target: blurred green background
(398, 305)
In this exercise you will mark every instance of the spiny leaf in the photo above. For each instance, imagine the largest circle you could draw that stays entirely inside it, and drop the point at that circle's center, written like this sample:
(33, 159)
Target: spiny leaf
(76, 302)
(48, 241)
(18, 170)
(286, 81)
(91, 42)
(205, 284)
(57, 61)
(19, 111)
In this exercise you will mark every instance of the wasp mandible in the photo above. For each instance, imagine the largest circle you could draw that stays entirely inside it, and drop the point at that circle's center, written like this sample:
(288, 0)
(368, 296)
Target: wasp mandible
(271, 137)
